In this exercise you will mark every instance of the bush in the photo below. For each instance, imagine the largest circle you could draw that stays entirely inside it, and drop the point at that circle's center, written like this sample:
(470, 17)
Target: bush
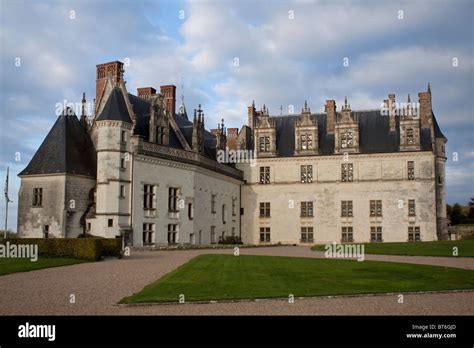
(230, 240)
(111, 247)
(85, 249)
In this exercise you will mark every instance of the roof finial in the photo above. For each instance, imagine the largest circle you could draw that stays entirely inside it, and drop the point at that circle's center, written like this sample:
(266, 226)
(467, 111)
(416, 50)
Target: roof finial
(429, 88)
(409, 101)
(253, 103)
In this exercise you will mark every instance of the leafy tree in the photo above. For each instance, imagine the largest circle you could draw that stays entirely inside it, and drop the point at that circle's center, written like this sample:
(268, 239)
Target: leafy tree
(457, 214)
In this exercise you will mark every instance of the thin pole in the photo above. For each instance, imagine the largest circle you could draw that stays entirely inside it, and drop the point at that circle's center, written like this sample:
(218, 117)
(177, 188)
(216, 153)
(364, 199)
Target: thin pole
(7, 200)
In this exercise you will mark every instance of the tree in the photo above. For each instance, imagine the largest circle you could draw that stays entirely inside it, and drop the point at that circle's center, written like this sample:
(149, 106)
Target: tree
(457, 214)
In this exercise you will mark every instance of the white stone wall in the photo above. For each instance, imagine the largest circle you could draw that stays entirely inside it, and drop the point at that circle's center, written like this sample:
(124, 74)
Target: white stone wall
(196, 186)
(376, 177)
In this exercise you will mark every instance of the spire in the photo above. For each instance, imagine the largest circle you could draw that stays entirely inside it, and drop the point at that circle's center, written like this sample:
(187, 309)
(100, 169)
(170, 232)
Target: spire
(253, 103)
(409, 101)
(429, 88)
(345, 101)
(83, 111)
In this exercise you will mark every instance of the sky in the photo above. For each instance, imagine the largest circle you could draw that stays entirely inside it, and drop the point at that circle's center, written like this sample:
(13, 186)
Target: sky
(225, 53)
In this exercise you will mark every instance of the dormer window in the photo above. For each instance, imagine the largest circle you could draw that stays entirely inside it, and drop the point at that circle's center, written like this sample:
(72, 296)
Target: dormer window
(264, 144)
(347, 139)
(306, 142)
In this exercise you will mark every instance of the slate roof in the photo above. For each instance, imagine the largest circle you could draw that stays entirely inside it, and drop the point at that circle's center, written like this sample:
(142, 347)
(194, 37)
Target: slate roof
(66, 149)
(115, 108)
(141, 108)
(374, 134)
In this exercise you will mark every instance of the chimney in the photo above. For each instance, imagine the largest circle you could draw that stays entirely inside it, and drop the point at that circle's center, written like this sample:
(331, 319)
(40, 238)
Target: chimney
(145, 92)
(424, 99)
(169, 94)
(392, 111)
(330, 109)
(232, 134)
(114, 70)
(251, 115)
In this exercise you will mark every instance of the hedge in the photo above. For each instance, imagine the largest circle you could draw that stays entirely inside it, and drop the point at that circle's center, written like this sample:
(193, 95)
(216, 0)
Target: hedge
(90, 249)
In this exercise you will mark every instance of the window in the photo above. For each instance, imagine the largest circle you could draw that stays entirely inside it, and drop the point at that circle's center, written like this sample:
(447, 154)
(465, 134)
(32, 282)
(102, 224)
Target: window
(440, 180)
(306, 142)
(264, 175)
(264, 234)
(190, 211)
(148, 234)
(213, 204)
(172, 233)
(347, 139)
(88, 226)
(376, 208)
(37, 197)
(306, 235)
(347, 173)
(172, 199)
(411, 170)
(46, 231)
(160, 135)
(376, 234)
(110, 222)
(123, 163)
(148, 197)
(123, 137)
(410, 136)
(122, 191)
(306, 173)
(233, 232)
(346, 209)
(264, 144)
(264, 209)
(411, 207)
(347, 235)
(224, 213)
(213, 234)
(306, 209)
(414, 234)
(233, 206)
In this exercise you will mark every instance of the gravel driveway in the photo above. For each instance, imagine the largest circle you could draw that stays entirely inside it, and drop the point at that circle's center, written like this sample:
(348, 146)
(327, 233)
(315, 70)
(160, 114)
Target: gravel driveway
(97, 287)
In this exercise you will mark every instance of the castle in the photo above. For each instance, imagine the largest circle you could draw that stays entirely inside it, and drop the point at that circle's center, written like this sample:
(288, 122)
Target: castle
(141, 169)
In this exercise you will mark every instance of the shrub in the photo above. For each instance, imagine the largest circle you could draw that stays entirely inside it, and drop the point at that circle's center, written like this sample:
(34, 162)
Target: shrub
(85, 249)
(111, 247)
(230, 240)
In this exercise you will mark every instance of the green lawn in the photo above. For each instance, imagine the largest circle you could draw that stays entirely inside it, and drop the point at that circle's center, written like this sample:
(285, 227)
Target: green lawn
(437, 248)
(14, 265)
(218, 277)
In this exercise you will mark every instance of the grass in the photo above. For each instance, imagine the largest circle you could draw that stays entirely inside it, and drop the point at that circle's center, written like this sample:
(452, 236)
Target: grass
(227, 277)
(14, 265)
(436, 248)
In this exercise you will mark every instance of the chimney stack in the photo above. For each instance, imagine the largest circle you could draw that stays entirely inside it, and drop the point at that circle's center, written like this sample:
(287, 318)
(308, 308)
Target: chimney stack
(392, 111)
(114, 70)
(251, 115)
(169, 94)
(330, 109)
(145, 92)
(424, 99)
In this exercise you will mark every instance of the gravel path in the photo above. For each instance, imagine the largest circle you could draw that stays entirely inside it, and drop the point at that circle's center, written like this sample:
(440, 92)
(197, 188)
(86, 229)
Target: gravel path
(98, 286)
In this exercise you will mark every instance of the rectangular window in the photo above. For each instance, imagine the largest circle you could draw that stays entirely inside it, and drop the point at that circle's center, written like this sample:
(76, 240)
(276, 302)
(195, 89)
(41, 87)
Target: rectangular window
(264, 144)
(411, 170)
(306, 142)
(224, 214)
(37, 197)
(213, 204)
(376, 208)
(347, 235)
(213, 234)
(123, 137)
(306, 173)
(265, 234)
(347, 172)
(190, 211)
(111, 222)
(148, 234)
(172, 233)
(346, 209)
(411, 207)
(410, 136)
(46, 231)
(376, 234)
(306, 234)
(307, 209)
(234, 200)
(264, 209)
(148, 196)
(122, 191)
(173, 199)
(122, 163)
(264, 175)
(414, 234)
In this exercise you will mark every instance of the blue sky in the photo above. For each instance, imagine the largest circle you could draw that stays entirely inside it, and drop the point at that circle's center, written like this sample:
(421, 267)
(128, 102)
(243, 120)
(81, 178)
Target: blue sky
(288, 52)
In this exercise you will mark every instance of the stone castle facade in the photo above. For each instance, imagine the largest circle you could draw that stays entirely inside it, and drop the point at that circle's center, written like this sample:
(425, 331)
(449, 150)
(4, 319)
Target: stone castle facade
(141, 169)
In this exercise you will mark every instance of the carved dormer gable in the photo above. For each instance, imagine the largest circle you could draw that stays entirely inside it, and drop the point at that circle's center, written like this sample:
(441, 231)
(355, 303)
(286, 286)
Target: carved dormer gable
(346, 131)
(265, 134)
(221, 136)
(409, 127)
(306, 133)
(159, 121)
